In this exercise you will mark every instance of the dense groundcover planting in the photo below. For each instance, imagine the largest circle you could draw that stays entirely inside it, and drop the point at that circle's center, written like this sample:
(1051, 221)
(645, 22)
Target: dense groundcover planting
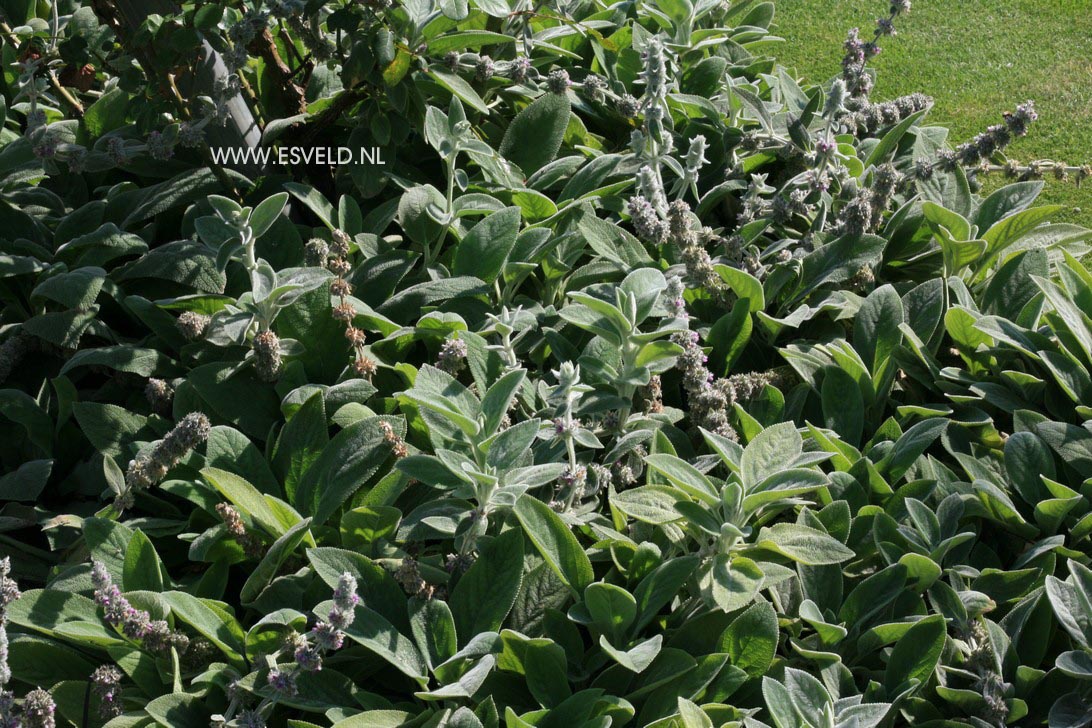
(641, 384)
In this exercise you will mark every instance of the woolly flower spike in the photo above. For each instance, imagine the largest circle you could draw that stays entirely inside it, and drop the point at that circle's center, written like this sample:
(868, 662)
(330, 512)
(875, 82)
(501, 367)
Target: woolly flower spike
(250, 719)
(595, 87)
(484, 69)
(38, 710)
(283, 682)
(267, 356)
(452, 356)
(857, 215)
(46, 148)
(115, 150)
(158, 147)
(673, 299)
(150, 467)
(192, 325)
(190, 135)
(695, 158)
(654, 74)
(105, 682)
(5, 670)
(341, 243)
(307, 650)
(628, 106)
(652, 189)
(9, 592)
(365, 366)
(232, 520)
(646, 223)
(836, 99)
(408, 576)
(327, 637)
(9, 589)
(316, 252)
(520, 69)
(1018, 121)
(558, 81)
(159, 394)
(120, 614)
(345, 596)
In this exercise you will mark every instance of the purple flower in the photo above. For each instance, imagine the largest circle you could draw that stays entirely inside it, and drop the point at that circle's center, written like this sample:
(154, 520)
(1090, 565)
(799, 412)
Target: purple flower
(283, 682)
(327, 637)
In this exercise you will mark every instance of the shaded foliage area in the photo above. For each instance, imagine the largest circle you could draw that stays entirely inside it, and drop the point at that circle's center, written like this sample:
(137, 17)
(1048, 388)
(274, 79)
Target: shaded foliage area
(645, 384)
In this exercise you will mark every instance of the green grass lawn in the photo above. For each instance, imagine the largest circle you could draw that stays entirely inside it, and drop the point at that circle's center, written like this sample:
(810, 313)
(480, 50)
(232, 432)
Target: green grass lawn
(976, 58)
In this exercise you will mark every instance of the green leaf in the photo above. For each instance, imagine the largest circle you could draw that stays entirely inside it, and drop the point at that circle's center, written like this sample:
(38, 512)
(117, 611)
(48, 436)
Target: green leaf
(872, 595)
(683, 476)
(467, 40)
(838, 261)
(498, 398)
(26, 482)
(124, 358)
(281, 549)
(1076, 664)
(512, 444)
(106, 426)
(555, 542)
(745, 285)
(728, 336)
(661, 586)
(733, 583)
(637, 658)
(178, 710)
(314, 201)
(1007, 200)
(44, 610)
(876, 330)
(266, 213)
(653, 504)
(345, 465)
(433, 629)
(751, 639)
(1008, 230)
(612, 608)
(230, 450)
(843, 404)
(73, 289)
(20, 407)
(143, 569)
(769, 452)
(107, 113)
(460, 88)
(910, 446)
(485, 594)
(211, 621)
(916, 655)
(891, 139)
(940, 217)
(803, 544)
(535, 135)
(248, 499)
(371, 630)
(363, 527)
(485, 248)
(301, 442)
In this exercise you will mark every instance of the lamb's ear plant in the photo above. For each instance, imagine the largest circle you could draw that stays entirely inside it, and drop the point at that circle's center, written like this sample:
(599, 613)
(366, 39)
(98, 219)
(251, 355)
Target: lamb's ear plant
(642, 384)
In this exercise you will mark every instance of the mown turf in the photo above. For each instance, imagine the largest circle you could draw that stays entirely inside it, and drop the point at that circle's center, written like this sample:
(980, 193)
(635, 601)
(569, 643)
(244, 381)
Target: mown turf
(976, 58)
